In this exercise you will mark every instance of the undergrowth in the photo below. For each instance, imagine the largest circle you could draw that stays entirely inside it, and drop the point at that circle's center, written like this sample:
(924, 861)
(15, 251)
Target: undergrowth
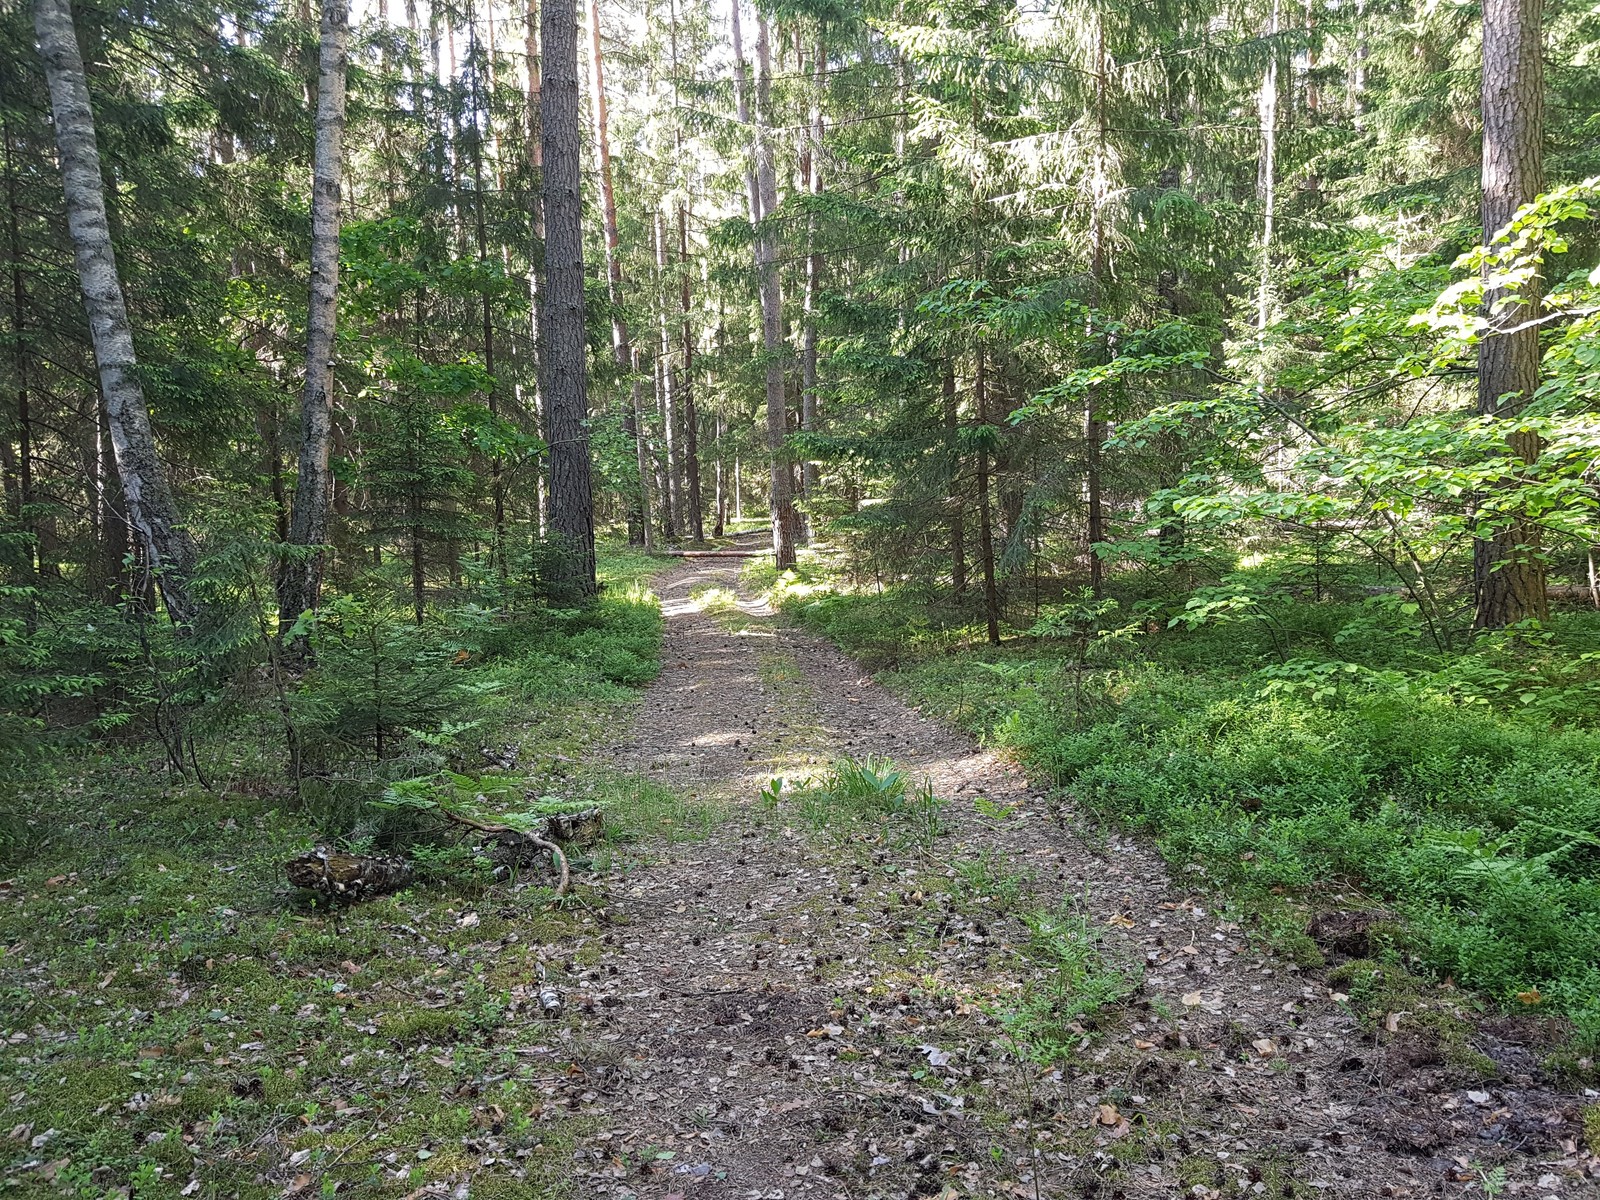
(853, 796)
(178, 1022)
(1299, 750)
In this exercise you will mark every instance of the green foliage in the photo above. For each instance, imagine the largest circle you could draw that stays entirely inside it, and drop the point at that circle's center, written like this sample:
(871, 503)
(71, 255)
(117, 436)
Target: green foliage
(1462, 789)
(1071, 981)
(379, 678)
(851, 794)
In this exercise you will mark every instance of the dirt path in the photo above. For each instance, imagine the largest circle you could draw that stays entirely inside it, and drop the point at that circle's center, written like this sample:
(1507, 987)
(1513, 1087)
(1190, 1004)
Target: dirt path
(778, 1012)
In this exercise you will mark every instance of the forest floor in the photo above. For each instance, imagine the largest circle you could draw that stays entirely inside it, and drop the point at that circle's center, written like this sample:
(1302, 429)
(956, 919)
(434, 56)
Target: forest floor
(825, 989)
(809, 1003)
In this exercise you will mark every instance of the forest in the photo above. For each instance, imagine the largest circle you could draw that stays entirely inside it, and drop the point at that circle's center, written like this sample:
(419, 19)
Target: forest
(804, 598)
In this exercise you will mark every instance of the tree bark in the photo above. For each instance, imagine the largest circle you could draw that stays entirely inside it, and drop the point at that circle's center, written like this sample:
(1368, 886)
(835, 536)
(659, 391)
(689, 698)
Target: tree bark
(300, 582)
(621, 347)
(991, 593)
(534, 136)
(667, 375)
(958, 519)
(483, 130)
(23, 495)
(1094, 424)
(1508, 568)
(691, 420)
(561, 313)
(781, 499)
(808, 352)
(691, 511)
(169, 552)
(1267, 174)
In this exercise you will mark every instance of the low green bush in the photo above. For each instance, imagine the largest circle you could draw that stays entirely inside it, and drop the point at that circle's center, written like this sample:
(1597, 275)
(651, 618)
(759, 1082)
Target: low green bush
(1468, 806)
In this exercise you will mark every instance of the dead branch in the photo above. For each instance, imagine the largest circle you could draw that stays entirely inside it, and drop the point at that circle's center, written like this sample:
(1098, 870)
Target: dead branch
(520, 838)
(347, 876)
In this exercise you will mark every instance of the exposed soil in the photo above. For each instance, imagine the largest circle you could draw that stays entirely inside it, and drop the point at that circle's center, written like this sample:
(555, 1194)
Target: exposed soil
(778, 1012)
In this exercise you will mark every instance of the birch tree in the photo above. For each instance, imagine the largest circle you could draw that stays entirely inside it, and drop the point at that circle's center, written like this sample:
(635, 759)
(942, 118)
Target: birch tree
(168, 550)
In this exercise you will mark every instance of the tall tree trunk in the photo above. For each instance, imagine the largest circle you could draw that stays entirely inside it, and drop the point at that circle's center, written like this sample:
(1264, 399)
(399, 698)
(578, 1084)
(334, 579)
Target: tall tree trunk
(561, 314)
(300, 582)
(781, 500)
(169, 552)
(621, 348)
(721, 526)
(23, 494)
(991, 593)
(692, 507)
(741, 103)
(667, 374)
(1094, 423)
(641, 451)
(691, 421)
(534, 135)
(483, 130)
(808, 351)
(1267, 173)
(1509, 568)
(958, 517)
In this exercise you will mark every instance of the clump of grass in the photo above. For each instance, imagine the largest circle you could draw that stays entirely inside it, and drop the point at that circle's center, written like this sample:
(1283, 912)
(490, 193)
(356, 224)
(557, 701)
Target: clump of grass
(988, 880)
(853, 794)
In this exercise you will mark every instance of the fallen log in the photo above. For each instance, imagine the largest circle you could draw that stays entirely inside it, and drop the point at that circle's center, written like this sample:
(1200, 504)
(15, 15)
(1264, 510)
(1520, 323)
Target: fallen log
(582, 828)
(344, 876)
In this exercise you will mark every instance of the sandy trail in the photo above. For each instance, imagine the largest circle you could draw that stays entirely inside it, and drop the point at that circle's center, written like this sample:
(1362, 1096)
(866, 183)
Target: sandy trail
(774, 1012)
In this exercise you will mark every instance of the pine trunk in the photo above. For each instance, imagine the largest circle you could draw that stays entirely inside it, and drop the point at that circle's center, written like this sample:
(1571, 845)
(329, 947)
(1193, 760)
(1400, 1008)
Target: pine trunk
(1508, 567)
(667, 375)
(781, 500)
(168, 551)
(691, 421)
(561, 313)
(991, 593)
(808, 351)
(639, 529)
(958, 519)
(300, 581)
